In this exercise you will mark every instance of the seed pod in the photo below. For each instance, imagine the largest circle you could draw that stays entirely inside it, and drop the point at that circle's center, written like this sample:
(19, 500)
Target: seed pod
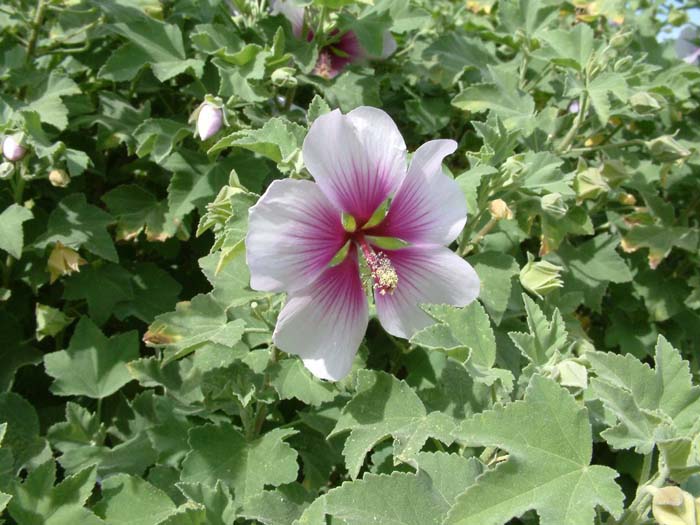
(540, 277)
(209, 121)
(12, 149)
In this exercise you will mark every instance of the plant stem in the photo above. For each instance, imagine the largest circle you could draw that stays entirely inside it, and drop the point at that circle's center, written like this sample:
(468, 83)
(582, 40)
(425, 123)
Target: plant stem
(571, 135)
(624, 144)
(39, 12)
(640, 506)
(483, 232)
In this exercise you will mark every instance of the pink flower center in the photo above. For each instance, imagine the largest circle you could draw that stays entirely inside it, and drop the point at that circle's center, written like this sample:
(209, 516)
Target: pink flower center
(383, 273)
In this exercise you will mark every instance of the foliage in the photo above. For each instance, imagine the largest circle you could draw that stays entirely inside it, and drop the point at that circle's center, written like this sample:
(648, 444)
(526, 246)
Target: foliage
(139, 382)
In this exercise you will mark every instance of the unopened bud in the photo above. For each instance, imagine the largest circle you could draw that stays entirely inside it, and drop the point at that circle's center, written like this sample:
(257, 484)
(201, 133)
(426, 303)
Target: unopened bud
(500, 210)
(12, 148)
(589, 184)
(574, 107)
(667, 149)
(554, 205)
(672, 506)
(644, 103)
(209, 120)
(623, 64)
(63, 261)
(677, 18)
(620, 39)
(284, 77)
(627, 199)
(540, 277)
(6, 170)
(59, 178)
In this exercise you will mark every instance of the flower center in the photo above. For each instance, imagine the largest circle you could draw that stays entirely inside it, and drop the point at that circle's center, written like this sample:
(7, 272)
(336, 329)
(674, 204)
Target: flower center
(383, 273)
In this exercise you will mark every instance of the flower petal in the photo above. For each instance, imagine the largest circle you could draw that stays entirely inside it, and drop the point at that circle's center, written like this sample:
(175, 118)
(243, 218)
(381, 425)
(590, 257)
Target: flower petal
(293, 233)
(427, 275)
(357, 159)
(429, 207)
(389, 45)
(292, 12)
(324, 324)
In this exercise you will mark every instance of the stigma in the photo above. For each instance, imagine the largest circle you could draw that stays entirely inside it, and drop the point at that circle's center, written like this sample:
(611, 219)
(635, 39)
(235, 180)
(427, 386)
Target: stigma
(384, 276)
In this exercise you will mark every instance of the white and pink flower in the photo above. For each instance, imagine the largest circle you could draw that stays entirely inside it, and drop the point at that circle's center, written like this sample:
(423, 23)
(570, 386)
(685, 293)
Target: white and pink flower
(12, 149)
(344, 49)
(307, 239)
(687, 47)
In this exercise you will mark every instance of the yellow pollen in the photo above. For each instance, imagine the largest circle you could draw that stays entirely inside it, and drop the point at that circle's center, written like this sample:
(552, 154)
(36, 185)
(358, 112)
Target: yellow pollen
(385, 275)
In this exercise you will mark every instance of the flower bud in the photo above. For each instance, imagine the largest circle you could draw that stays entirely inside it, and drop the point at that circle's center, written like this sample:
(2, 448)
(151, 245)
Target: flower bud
(209, 121)
(677, 18)
(500, 210)
(672, 506)
(589, 184)
(12, 148)
(620, 39)
(540, 277)
(667, 149)
(571, 374)
(554, 205)
(644, 103)
(574, 107)
(284, 77)
(59, 178)
(6, 170)
(63, 261)
(623, 64)
(627, 199)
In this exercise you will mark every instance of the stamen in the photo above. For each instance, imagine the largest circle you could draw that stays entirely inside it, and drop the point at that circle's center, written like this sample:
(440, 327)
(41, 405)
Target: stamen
(383, 272)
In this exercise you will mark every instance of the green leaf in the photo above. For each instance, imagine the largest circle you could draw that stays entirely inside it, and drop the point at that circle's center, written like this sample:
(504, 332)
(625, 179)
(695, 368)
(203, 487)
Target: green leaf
(158, 137)
(220, 452)
(385, 407)
(645, 400)
(460, 328)
(218, 501)
(277, 507)
(599, 90)
(103, 286)
(192, 324)
(398, 499)
(317, 108)
(591, 266)
(49, 321)
(75, 223)
(151, 42)
(127, 500)
(20, 438)
(546, 337)
(528, 16)
(277, 140)
(496, 272)
(570, 48)
(92, 365)
(292, 380)
(136, 209)
(548, 467)
(451, 54)
(450, 473)
(11, 234)
(231, 284)
(350, 90)
(45, 99)
(195, 182)
(369, 29)
(501, 96)
(155, 292)
(37, 501)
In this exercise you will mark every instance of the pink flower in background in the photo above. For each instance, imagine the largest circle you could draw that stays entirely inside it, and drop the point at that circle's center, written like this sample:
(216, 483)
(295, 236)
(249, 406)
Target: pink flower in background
(308, 239)
(686, 45)
(343, 50)
(12, 149)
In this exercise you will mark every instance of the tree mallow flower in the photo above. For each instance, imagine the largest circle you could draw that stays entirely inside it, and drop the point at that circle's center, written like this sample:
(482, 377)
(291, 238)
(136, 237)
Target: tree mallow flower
(686, 45)
(366, 210)
(12, 149)
(344, 48)
(209, 120)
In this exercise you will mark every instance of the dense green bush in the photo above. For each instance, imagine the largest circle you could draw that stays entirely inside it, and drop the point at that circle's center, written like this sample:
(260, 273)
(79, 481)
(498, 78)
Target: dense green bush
(139, 383)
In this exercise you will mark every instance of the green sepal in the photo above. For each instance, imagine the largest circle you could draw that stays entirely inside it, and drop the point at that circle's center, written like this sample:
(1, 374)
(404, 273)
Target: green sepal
(340, 255)
(349, 222)
(387, 243)
(378, 215)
